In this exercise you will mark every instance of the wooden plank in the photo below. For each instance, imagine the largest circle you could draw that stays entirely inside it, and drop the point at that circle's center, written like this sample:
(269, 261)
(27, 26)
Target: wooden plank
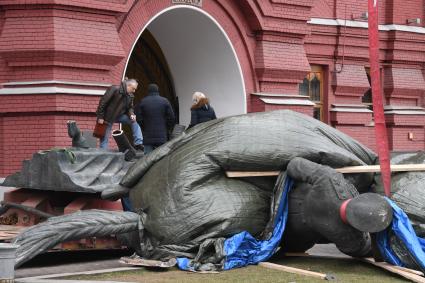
(372, 261)
(242, 174)
(6, 237)
(376, 168)
(408, 274)
(417, 272)
(9, 232)
(345, 170)
(138, 261)
(296, 270)
(393, 268)
(11, 228)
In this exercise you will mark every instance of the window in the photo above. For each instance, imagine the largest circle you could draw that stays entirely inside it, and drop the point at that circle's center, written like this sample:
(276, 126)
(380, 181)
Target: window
(367, 96)
(312, 86)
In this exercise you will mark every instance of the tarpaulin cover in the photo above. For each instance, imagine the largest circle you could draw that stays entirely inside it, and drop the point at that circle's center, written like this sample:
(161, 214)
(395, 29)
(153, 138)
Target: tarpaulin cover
(403, 230)
(407, 189)
(186, 201)
(186, 206)
(74, 170)
(244, 249)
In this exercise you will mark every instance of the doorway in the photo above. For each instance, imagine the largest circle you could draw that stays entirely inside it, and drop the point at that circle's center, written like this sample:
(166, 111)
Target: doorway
(183, 50)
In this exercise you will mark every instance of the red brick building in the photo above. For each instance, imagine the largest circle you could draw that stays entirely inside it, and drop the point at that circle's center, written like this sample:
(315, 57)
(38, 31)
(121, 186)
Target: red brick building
(58, 56)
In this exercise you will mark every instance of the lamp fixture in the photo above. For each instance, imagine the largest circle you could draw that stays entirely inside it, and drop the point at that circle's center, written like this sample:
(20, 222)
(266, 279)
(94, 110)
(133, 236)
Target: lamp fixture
(416, 21)
(363, 16)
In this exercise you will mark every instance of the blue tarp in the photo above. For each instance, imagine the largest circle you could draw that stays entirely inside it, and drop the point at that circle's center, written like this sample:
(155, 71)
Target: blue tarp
(402, 228)
(243, 249)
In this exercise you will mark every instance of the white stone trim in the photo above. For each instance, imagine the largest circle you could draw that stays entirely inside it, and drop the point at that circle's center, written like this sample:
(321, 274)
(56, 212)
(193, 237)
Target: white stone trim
(336, 105)
(401, 107)
(401, 112)
(55, 82)
(352, 110)
(277, 95)
(288, 101)
(364, 24)
(49, 90)
(414, 29)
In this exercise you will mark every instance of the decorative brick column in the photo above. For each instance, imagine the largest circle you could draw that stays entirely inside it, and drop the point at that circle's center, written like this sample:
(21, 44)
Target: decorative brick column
(404, 91)
(56, 59)
(348, 113)
(280, 58)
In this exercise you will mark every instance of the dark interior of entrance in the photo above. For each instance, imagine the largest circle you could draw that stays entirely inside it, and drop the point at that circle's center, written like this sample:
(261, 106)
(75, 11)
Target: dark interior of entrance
(147, 64)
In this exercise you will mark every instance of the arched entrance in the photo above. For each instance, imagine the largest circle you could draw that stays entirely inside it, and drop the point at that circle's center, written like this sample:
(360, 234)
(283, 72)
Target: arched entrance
(184, 50)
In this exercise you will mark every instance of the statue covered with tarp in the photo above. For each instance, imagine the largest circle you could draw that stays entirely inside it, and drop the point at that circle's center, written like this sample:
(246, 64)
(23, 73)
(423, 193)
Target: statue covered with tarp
(187, 211)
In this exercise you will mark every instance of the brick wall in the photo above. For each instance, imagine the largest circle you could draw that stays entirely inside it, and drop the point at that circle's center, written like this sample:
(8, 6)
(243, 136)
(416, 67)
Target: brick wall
(26, 134)
(49, 42)
(402, 74)
(30, 123)
(365, 135)
(82, 41)
(399, 11)
(390, 11)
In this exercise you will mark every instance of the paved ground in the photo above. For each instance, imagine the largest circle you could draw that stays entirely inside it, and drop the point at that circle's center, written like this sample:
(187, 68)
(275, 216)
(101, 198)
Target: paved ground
(326, 250)
(69, 262)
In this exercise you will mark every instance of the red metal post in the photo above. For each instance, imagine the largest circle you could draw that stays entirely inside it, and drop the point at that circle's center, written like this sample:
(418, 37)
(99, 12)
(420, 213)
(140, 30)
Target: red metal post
(378, 108)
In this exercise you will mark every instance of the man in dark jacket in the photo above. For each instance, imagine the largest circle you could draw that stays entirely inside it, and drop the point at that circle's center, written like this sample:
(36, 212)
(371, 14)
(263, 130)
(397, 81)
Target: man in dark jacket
(116, 106)
(156, 117)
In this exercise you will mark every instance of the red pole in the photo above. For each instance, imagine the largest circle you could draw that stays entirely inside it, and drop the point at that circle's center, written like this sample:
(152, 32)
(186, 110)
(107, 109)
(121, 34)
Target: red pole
(378, 108)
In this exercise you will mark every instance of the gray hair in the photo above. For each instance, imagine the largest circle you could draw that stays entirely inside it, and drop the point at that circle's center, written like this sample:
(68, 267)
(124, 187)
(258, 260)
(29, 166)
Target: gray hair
(131, 82)
(197, 95)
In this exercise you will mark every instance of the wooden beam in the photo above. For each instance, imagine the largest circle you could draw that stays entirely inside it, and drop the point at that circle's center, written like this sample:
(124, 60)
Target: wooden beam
(376, 168)
(242, 174)
(345, 170)
(413, 275)
(296, 271)
(9, 232)
(417, 272)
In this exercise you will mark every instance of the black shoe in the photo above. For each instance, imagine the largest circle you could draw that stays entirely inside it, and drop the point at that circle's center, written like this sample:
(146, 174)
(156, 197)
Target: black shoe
(129, 154)
(139, 147)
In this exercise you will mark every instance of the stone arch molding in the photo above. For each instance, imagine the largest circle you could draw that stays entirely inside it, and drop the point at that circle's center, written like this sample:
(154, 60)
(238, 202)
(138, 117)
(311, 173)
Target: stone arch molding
(226, 74)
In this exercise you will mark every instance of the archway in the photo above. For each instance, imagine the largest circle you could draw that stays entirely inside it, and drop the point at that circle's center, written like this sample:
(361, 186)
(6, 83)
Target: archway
(192, 53)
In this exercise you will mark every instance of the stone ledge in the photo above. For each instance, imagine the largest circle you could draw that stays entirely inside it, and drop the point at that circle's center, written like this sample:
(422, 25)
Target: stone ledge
(364, 24)
(403, 107)
(50, 90)
(277, 95)
(54, 82)
(287, 101)
(404, 112)
(354, 108)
